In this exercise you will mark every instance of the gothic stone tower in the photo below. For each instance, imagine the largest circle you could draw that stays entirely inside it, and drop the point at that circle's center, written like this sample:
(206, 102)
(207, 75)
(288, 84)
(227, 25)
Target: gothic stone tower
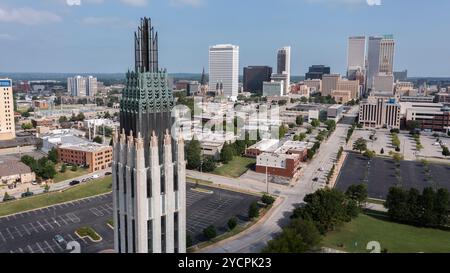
(149, 186)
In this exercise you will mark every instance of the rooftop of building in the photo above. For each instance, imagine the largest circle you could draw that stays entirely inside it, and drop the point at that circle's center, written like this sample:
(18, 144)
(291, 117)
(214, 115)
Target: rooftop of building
(13, 167)
(85, 147)
(266, 145)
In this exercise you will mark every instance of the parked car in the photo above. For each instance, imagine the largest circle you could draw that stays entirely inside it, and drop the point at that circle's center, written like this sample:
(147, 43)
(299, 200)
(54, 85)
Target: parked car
(60, 240)
(9, 198)
(34, 183)
(74, 182)
(315, 179)
(108, 173)
(95, 176)
(27, 194)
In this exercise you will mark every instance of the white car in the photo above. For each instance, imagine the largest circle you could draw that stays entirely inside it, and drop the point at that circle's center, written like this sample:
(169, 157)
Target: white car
(95, 176)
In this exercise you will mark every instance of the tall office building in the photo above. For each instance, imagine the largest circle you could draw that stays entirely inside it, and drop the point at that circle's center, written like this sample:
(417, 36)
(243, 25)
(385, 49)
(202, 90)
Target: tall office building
(284, 64)
(356, 52)
(149, 187)
(80, 86)
(7, 125)
(380, 57)
(254, 76)
(316, 72)
(224, 69)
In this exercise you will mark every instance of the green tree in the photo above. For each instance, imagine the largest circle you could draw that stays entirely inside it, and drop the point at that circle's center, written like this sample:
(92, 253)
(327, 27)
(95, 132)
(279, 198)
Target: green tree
(315, 123)
(232, 223)
(358, 193)
(210, 232)
(62, 119)
(360, 145)
(445, 151)
(253, 210)
(369, 154)
(267, 199)
(227, 153)
(25, 114)
(327, 208)
(74, 168)
(27, 126)
(331, 125)
(48, 170)
(396, 203)
(382, 151)
(53, 155)
(282, 131)
(98, 139)
(193, 154)
(209, 164)
(63, 168)
(299, 120)
(298, 237)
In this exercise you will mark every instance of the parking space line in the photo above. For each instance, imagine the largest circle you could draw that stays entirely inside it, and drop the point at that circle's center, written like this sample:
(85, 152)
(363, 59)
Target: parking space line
(57, 244)
(56, 222)
(62, 219)
(41, 226)
(45, 219)
(10, 234)
(3, 237)
(21, 250)
(18, 232)
(35, 229)
(40, 248)
(26, 230)
(29, 247)
(49, 246)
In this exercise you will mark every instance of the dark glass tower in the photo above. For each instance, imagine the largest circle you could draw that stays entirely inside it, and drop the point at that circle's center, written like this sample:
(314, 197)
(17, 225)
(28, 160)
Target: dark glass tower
(147, 100)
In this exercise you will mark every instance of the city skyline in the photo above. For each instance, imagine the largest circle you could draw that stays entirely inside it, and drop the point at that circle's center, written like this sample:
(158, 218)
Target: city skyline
(82, 43)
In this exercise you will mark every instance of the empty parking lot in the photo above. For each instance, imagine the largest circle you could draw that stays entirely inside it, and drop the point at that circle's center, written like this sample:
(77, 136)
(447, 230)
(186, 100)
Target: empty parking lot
(35, 231)
(380, 175)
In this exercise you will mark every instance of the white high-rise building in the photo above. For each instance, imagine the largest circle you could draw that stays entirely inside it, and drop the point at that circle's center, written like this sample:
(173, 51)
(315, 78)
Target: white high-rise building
(7, 125)
(224, 69)
(80, 86)
(91, 86)
(356, 53)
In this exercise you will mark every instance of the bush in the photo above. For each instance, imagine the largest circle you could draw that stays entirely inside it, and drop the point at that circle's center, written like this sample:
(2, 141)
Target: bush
(253, 210)
(267, 199)
(63, 168)
(74, 168)
(232, 223)
(210, 232)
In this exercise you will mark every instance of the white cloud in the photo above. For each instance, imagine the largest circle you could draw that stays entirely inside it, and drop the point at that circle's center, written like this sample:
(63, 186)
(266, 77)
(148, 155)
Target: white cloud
(180, 3)
(28, 16)
(7, 37)
(135, 3)
(73, 2)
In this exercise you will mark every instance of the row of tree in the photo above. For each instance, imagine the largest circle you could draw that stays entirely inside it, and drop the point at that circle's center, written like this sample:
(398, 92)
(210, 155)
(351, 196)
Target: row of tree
(429, 209)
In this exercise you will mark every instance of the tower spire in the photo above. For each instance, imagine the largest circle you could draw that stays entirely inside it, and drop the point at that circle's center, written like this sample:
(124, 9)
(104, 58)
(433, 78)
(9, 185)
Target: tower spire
(146, 47)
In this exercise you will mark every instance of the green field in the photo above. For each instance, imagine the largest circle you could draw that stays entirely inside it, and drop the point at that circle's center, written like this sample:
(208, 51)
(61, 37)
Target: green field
(393, 237)
(235, 168)
(92, 188)
(69, 174)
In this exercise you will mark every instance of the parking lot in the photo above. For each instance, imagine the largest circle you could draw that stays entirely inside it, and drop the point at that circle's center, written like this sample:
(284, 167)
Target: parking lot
(407, 144)
(35, 231)
(380, 175)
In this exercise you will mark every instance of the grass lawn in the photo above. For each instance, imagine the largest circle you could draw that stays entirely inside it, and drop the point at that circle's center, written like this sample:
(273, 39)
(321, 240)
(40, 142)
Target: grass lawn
(235, 168)
(88, 232)
(99, 186)
(391, 236)
(69, 174)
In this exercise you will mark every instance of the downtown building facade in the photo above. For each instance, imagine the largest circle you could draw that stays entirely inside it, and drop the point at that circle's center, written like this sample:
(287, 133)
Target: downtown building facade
(380, 112)
(380, 57)
(283, 68)
(254, 76)
(149, 186)
(224, 69)
(7, 123)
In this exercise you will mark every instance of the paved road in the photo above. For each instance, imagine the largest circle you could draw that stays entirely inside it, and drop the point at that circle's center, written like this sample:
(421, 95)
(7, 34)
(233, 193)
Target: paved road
(293, 196)
(61, 185)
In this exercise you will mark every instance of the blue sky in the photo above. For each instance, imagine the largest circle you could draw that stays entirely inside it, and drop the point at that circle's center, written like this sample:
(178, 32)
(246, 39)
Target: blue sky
(96, 36)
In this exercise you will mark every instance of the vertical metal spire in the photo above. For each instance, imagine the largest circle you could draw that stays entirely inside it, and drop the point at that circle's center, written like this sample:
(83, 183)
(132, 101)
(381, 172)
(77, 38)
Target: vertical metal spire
(146, 47)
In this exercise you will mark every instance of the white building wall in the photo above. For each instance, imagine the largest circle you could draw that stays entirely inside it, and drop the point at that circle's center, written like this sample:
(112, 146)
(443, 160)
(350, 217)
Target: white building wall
(224, 68)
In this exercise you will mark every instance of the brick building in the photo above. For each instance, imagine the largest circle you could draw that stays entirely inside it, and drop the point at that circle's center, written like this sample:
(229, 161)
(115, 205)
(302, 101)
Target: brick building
(92, 155)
